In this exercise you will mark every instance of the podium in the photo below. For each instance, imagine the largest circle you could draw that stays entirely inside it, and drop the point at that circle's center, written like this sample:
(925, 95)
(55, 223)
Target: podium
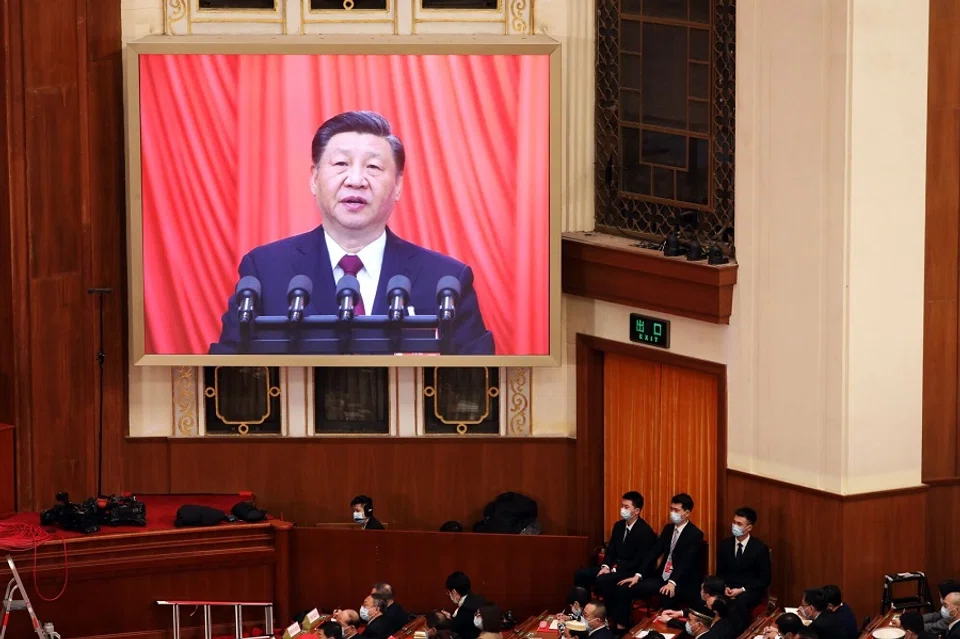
(360, 335)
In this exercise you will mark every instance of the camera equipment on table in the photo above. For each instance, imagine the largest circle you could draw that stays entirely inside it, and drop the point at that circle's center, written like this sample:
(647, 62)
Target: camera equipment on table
(88, 515)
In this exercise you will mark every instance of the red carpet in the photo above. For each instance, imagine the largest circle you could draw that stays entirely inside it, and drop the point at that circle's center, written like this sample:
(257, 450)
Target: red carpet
(161, 513)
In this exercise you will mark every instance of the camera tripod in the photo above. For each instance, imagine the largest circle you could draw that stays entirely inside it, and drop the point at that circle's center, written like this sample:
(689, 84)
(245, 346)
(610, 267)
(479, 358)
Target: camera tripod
(12, 605)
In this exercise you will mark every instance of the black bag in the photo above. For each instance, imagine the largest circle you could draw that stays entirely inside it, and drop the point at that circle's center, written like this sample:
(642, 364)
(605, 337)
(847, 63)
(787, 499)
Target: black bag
(190, 515)
(508, 514)
(246, 511)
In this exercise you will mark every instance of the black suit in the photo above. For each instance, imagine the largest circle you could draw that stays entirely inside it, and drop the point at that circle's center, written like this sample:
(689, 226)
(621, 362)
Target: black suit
(725, 628)
(462, 622)
(845, 622)
(625, 552)
(373, 524)
(752, 572)
(379, 628)
(953, 633)
(396, 615)
(687, 573)
(603, 632)
(824, 626)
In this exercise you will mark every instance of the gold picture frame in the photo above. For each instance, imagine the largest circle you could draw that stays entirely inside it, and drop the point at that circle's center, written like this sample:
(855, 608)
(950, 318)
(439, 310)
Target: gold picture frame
(343, 45)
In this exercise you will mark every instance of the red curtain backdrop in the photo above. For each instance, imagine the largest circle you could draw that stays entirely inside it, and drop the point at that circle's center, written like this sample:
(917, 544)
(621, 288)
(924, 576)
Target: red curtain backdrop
(225, 144)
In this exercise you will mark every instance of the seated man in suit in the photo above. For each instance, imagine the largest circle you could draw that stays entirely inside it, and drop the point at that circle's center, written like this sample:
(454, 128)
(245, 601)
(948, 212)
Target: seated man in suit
(348, 620)
(394, 612)
(710, 590)
(362, 512)
(743, 562)
(787, 626)
(378, 626)
(630, 541)
(577, 600)
(813, 608)
(951, 612)
(467, 602)
(699, 625)
(356, 179)
(678, 574)
(935, 623)
(595, 619)
(842, 618)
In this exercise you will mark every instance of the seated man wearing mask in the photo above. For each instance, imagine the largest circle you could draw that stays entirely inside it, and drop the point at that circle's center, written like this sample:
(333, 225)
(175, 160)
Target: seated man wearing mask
(577, 600)
(394, 612)
(362, 507)
(842, 619)
(698, 625)
(489, 621)
(467, 602)
(630, 541)
(813, 608)
(935, 623)
(378, 625)
(594, 617)
(711, 588)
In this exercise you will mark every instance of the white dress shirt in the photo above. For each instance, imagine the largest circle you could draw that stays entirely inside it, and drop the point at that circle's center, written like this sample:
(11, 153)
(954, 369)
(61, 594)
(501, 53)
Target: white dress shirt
(369, 276)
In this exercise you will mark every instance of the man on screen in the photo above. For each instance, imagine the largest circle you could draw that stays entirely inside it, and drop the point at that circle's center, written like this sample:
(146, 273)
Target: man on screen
(357, 179)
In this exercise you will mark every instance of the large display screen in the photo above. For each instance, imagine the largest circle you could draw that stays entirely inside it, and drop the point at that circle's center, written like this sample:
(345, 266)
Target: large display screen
(350, 206)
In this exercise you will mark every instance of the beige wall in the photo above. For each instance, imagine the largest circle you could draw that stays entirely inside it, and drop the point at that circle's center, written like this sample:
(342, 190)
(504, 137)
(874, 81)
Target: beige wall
(823, 350)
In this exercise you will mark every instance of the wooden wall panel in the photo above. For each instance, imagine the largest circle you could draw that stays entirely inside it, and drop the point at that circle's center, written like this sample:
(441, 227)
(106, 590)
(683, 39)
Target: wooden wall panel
(62, 232)
(942, 515)
(942, 262)
(818, 538)
(530, 574)
(416, 484)
(883, 533)
(7, 456)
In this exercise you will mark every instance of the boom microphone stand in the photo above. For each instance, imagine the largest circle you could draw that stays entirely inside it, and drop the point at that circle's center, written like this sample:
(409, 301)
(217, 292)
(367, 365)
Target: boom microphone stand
(101, 357)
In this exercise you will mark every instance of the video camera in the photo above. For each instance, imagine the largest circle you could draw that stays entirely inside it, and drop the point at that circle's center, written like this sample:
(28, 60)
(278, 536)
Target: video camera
(89, 515)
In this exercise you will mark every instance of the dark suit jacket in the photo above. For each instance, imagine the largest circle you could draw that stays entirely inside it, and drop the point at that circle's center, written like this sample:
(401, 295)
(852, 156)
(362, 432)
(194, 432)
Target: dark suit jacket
(603, 632)
(395, 614)
(845, 622)
(462, 624)
(379, 628)
(751, 572)
(953, 633)
(724, 629)
(374, 524)
(276, 263)
(825, 626)
(686, 557)
(628, 554)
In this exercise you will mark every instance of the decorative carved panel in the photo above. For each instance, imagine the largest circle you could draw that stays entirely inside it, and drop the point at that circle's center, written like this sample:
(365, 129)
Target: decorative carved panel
(461, 401)
(243, 400)
(351, 400)
(665, 118)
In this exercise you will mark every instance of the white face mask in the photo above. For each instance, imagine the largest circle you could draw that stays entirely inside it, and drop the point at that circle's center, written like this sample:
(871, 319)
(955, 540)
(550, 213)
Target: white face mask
(676, 517)
(688, 628)
(736, 530)
(945, 612)
(478, 623)
(358, 516)
(454, 599)
(625, 513)
(364, 613)
(575, 611)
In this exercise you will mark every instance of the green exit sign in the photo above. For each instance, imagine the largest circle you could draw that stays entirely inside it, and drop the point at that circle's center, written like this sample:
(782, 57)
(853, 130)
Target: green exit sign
(649, 330)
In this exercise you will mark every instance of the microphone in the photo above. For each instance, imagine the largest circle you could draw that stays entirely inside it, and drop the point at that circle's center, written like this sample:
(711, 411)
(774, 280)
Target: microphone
(398, 295)
(248, 294)
(298, 296)
(448, 296)
(348, 292)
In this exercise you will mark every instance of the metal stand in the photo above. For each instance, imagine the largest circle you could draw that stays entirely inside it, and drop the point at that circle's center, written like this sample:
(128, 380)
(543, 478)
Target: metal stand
(208, 626)
(922, 600)
(12, 605)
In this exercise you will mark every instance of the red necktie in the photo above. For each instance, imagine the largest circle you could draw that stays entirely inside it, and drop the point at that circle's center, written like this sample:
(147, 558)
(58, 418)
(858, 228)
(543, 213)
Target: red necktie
(351, 265)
